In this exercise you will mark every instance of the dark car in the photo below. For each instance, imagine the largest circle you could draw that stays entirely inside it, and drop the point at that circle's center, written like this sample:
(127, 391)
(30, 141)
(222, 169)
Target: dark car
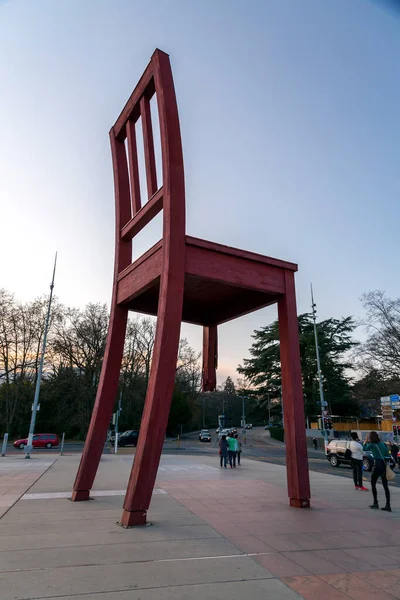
(128, 438)
(40, 440)
(336, 451)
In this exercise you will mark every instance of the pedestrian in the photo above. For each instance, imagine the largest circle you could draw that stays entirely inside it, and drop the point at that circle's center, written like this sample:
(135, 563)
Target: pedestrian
(357, 456)
(315, 443)
(232, 449)
(223, 451)
(394, 451)
(380, 453)
(239, 450)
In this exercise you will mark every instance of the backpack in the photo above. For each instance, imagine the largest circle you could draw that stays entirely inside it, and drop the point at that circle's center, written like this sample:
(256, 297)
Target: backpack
(347, 454)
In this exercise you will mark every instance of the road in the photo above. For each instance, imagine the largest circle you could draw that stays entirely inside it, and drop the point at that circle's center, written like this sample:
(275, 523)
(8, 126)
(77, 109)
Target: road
(274, 452)
(263, 451)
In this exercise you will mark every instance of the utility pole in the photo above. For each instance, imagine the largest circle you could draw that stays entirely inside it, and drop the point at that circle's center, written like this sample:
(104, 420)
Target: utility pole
(269, 410)
(243, 413)
(321, 387)
(35, 406)
(204, 412)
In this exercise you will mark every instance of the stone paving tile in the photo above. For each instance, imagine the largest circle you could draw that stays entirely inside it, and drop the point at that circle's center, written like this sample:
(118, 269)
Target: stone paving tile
(250, 544)
(313, 563)
(45, 583)
(355, 587)
(374, 557)
(268, 589)
(313, 588)
(383, 580)
(346, 561)
(280, 566)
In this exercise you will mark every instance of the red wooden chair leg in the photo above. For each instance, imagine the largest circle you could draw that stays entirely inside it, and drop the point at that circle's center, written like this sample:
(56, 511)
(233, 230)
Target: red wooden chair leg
(210, 358)
(105, 398)
(155, 413)
(292, 394)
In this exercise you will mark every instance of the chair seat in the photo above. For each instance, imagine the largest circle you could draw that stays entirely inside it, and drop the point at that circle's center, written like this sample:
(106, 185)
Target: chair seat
(221, 283)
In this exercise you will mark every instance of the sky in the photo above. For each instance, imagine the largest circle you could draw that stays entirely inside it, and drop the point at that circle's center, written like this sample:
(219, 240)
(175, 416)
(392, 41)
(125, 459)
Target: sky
(290, 124)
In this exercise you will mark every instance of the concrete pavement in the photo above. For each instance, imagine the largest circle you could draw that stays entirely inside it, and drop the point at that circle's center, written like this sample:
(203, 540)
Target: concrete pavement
(215, 534)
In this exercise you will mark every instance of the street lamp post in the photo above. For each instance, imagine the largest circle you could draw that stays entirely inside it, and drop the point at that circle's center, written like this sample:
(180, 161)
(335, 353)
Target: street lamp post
(323, 403)
(116, 423)
(35, 406)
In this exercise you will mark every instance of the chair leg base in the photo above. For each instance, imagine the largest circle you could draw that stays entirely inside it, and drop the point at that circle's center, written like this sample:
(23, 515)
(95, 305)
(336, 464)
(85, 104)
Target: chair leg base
(80, 495)
(136, 518)
(300, 503)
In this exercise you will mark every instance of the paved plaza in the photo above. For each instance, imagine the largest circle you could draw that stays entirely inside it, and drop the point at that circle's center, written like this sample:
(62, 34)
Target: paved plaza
(214, 534)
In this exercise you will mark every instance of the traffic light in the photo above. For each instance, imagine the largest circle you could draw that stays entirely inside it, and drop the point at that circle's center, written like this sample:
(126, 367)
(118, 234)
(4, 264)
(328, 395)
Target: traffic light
(328, 423)
(396, 430)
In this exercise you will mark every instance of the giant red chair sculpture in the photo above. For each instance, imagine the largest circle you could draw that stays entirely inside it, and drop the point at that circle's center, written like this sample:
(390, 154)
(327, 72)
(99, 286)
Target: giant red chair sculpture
(179, 279)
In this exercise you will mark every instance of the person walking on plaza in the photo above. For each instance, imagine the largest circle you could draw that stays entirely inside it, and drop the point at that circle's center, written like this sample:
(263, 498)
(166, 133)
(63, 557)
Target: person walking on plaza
(380, 453)
(239, 451)
(223, 450)
(315, 443)
(233, 446)
(357, 455)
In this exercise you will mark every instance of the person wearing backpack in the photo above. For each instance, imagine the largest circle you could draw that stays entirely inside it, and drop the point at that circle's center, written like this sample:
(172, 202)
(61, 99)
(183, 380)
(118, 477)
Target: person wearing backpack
(356, 455)
(380, 454)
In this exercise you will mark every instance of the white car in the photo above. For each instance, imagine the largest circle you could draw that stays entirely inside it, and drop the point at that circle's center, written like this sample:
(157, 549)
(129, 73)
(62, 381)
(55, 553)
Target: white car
(224, 432)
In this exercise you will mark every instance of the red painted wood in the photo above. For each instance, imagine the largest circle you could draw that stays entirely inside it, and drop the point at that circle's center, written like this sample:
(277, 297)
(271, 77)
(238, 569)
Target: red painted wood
(131, 110)
(148, 143)
(133, 167)
(241, 272)
(109, 378)
(222, 249)
(177, 278)
(144, 216)
(148, 254)
(210, 358)
(292, 394)
(137, 281)
(162, 375)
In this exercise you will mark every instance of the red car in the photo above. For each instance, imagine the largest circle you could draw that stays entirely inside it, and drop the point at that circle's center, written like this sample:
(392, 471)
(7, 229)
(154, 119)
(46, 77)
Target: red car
(40, 440)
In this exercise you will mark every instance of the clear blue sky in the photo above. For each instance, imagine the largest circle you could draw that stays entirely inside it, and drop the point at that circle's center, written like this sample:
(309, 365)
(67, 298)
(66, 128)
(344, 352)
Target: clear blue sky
(290, 121)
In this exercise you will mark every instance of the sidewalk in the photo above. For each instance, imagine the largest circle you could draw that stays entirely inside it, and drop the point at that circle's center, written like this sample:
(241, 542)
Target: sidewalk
(215, 534)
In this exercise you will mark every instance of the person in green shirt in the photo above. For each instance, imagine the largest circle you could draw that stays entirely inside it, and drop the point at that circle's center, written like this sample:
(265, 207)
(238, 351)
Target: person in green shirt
(380, 453)
(233, 448)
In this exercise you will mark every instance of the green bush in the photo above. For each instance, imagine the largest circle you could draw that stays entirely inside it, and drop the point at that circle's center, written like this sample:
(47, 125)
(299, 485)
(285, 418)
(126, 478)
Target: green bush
(277, 433)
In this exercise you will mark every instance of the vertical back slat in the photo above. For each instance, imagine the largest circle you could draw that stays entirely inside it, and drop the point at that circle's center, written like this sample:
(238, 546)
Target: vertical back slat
(148, 143)
(121, 175)
(133, 167)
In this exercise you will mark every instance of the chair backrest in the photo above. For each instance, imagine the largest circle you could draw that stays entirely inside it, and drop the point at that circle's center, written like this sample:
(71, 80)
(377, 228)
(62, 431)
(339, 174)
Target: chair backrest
(132, 215)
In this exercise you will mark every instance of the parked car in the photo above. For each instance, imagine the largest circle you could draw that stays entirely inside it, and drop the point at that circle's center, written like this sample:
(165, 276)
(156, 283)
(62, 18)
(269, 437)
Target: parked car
(40, 440)
(128, 438)
(205, 436)
(336, 451)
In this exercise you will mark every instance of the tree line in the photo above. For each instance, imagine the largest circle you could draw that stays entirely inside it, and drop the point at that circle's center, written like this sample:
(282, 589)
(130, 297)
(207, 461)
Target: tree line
(72, 367)
(355, 374)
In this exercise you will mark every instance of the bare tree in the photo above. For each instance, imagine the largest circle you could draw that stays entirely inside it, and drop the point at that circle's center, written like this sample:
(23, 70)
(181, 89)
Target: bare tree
(381, 350)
